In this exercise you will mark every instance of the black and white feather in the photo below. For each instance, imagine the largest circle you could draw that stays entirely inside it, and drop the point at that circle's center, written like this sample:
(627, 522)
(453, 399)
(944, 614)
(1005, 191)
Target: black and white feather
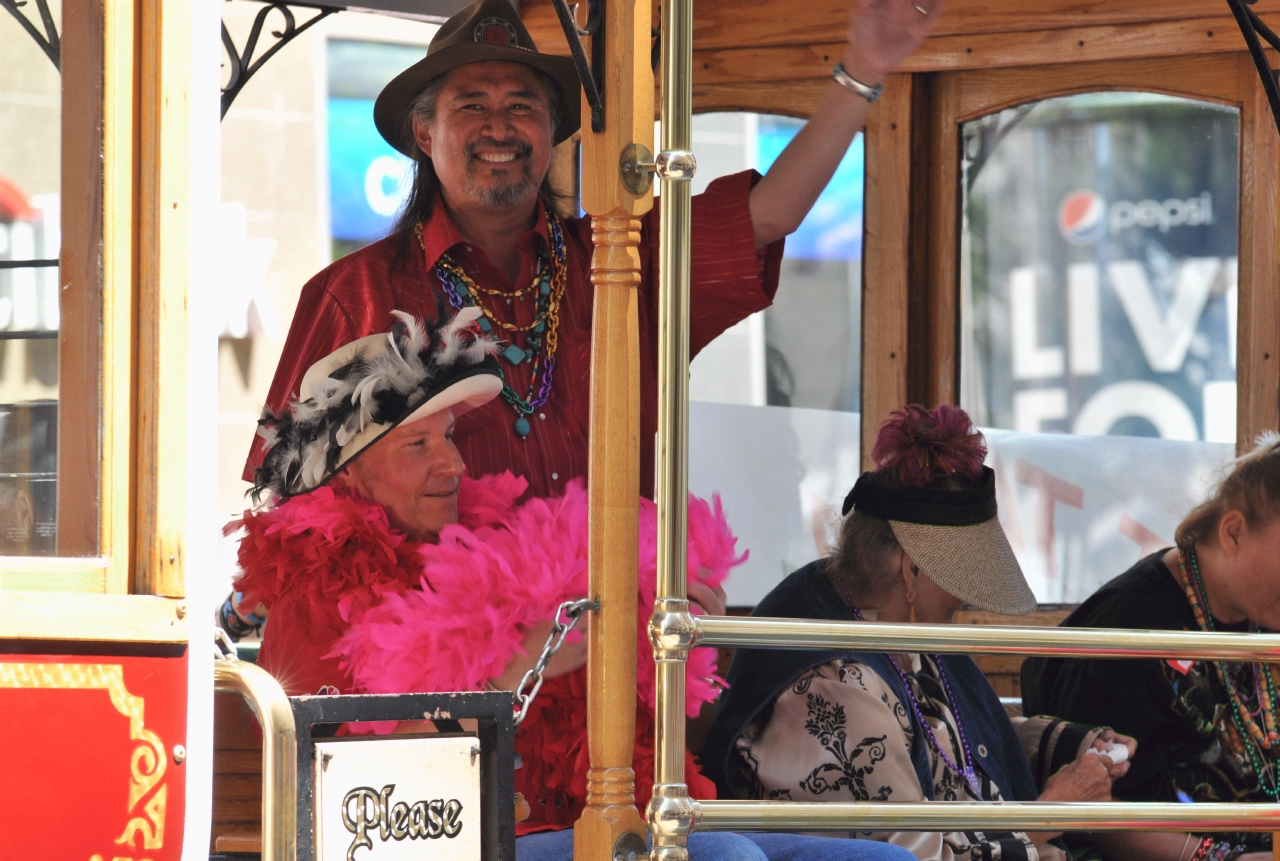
(382, 385)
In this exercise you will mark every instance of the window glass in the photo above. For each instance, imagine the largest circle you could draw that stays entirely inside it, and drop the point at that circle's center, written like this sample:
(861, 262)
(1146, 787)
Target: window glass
(368, 179)
(1098, 300)
(305, 179)
(30, 180)
(781, 389)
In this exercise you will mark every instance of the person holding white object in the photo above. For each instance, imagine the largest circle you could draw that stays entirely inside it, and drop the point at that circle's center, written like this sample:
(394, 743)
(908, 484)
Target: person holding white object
(1207, 730)
(920, 540)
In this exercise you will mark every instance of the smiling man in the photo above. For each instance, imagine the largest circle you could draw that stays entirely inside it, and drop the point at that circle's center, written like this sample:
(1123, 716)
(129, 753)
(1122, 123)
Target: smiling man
(479, 116)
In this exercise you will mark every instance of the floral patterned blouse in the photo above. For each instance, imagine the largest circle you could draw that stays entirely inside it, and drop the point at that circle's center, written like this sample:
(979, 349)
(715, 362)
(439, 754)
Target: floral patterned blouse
(839, 733)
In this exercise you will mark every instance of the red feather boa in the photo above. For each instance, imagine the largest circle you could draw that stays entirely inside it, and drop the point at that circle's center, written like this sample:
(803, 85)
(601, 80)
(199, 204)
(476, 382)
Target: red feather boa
(499, 570)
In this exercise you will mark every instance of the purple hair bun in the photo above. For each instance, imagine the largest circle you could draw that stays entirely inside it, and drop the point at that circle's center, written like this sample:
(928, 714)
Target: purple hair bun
(919, 446)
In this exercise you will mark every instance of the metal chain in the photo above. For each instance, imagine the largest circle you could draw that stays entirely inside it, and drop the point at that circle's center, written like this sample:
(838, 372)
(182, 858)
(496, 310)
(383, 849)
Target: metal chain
(573, 610)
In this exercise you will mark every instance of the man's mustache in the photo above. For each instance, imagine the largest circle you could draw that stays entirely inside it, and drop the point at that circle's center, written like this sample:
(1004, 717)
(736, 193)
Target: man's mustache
(523, 148)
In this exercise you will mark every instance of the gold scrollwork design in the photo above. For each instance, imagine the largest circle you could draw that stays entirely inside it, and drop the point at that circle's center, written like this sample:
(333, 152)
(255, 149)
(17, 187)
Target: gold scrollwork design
(148, 761)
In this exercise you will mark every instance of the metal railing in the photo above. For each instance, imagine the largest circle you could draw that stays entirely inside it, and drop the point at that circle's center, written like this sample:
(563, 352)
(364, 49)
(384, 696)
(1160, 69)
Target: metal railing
(672, 815)
(279, 752)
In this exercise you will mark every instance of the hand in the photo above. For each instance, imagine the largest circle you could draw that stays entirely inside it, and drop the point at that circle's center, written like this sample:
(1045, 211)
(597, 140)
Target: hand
(571, 656)
(1084, 779)
(1110, 736)
(883, 32)
(710, 600)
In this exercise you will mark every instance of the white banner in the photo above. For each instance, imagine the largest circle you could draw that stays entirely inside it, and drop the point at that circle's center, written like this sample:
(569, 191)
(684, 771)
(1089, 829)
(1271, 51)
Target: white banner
(782, 473)
(1078, 510)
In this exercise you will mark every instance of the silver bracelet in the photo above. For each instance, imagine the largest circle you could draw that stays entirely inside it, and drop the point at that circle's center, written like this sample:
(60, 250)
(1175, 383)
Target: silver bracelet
(871, 94)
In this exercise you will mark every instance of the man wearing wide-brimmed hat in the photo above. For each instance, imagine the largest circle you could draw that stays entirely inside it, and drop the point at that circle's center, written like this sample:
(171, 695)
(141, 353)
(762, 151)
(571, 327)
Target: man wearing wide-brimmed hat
(479, 115)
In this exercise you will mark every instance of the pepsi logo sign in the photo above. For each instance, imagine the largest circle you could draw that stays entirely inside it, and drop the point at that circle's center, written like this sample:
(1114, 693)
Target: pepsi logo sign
(1082, 217)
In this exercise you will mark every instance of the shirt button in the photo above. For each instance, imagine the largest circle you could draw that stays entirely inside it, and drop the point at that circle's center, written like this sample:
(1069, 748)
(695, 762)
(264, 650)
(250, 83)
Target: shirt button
(542, 416)
(982, 750)
(555, 476)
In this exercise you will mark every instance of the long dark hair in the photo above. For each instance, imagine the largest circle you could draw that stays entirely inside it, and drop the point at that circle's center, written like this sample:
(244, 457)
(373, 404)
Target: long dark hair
(425, 187)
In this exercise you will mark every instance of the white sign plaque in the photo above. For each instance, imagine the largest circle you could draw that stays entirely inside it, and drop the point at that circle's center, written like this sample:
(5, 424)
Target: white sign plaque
(384, 799)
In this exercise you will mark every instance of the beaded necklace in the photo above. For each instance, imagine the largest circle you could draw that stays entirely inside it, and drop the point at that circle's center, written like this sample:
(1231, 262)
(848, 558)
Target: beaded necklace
(966, 770)
(541, 335)
(1258, 741)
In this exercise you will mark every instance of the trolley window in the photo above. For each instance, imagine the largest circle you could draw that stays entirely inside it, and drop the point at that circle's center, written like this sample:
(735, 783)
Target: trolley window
(781, 390)
(1098, 298)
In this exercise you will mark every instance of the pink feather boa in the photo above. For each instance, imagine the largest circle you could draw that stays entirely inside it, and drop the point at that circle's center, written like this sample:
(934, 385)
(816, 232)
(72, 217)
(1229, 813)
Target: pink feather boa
(482, 585)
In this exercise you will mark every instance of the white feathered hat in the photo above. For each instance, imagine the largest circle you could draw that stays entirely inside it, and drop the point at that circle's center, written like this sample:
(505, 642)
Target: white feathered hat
(354, 396)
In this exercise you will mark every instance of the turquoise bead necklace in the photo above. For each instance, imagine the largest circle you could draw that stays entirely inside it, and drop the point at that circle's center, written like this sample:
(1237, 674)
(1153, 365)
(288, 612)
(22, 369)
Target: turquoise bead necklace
(541, 336)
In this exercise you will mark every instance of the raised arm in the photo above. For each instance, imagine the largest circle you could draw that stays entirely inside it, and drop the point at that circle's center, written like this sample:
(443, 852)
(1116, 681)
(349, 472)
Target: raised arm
(881, 34)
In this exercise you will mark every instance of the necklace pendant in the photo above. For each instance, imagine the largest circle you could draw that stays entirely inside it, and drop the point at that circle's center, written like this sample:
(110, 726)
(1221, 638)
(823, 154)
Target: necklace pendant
(522, 427)
(484, 325)
(514, 355)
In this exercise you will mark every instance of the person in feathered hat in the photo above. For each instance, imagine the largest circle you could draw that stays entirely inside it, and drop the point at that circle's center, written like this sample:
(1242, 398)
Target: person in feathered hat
(385, 569)
(479, 116)
(374, 423)
(919, 541)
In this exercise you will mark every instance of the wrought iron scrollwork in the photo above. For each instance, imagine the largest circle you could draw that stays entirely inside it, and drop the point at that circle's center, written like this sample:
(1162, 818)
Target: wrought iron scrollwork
(1251, 27)
(243, 64)
(590, 72)
(48, 40)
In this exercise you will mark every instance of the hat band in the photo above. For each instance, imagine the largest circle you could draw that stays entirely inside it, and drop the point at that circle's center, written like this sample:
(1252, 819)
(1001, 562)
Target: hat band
(929, 506)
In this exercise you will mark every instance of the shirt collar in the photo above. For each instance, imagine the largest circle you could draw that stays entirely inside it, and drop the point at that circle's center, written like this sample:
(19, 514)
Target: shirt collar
(440, 234)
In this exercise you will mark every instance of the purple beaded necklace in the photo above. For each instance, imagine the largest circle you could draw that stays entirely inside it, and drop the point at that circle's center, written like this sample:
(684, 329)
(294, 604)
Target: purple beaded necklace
(967, 771)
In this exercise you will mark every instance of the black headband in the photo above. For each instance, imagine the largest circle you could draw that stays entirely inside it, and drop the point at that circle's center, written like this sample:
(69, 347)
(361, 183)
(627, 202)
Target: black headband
(931, 506)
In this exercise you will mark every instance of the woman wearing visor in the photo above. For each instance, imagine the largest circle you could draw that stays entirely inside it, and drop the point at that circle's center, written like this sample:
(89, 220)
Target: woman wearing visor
(919, 541)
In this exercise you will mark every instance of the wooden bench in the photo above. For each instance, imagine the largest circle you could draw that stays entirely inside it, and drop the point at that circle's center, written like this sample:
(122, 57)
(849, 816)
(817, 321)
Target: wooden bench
(237, 742)
(237, 777)
(1005, 671)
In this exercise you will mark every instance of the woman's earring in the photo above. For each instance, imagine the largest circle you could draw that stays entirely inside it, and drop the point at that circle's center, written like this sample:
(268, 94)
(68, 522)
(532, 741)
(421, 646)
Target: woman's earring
(911, 609)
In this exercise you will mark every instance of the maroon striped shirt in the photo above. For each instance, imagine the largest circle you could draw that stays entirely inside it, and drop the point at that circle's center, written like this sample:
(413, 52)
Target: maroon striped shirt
(354, 297)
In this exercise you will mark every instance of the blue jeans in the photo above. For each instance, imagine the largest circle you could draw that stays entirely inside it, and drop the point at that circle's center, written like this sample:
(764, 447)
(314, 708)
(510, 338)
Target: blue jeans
(731, 846)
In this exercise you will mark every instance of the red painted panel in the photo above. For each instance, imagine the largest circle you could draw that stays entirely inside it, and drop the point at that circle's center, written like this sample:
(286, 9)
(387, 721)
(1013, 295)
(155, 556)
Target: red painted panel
(87, 755)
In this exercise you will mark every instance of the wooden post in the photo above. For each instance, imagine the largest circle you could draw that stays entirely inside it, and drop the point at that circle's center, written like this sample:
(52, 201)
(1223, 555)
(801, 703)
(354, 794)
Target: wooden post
(886, 260)
(160, 416)
(1258, 341)
(614, 465)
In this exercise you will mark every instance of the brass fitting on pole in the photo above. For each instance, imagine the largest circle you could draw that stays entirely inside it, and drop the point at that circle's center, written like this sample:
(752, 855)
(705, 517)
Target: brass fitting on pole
(671, 819)
(673, 631)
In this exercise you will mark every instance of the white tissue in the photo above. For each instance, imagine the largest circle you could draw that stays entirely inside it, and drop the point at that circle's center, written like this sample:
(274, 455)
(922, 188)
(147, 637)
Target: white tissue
(1117, 753)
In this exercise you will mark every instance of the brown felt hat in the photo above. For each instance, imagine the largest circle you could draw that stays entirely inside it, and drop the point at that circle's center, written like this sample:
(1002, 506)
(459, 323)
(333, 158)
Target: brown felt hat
(487, 30)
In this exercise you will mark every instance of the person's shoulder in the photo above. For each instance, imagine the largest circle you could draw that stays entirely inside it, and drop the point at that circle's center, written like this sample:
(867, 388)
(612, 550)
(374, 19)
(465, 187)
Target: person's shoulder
(1145, 596)
(791, 597)
(365, 269)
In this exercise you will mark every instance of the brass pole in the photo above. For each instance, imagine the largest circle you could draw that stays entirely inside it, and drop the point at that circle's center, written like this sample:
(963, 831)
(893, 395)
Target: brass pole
(966, 815)
(670, 810)
(279, 752)
(760, 632)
